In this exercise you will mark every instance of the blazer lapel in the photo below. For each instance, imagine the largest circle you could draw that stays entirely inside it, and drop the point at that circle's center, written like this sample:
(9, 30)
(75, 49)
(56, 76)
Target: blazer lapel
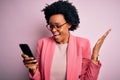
(48, 57)
(73, 60)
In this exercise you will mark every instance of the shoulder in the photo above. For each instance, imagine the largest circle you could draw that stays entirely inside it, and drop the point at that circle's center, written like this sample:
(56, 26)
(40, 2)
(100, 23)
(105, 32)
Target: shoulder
(82, 45)
(45, 40)
(81, 40)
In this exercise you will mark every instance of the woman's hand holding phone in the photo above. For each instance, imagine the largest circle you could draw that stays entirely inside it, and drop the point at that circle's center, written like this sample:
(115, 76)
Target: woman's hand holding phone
(30, 63)
(28, 59)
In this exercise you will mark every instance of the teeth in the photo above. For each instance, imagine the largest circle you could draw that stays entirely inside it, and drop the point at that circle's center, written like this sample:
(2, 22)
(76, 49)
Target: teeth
(56, 34)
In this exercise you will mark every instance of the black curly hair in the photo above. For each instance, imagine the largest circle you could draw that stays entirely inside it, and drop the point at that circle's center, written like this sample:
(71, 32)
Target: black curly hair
(66, 9)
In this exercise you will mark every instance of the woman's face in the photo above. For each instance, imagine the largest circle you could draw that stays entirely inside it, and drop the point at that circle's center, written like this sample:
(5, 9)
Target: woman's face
(60, 34)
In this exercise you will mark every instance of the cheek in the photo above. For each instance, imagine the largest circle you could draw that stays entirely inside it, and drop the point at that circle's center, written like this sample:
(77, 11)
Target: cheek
(64, 31)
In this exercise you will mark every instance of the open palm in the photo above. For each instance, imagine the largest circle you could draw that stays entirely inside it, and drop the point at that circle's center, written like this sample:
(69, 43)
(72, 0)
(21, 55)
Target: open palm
(98, 45)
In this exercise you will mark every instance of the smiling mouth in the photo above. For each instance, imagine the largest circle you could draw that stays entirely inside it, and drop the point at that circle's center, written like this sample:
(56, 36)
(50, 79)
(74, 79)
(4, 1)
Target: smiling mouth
(56, 35)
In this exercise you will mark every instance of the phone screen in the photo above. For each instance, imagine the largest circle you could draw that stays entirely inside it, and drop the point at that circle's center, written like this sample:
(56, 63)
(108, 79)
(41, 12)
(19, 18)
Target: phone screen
(26, 50)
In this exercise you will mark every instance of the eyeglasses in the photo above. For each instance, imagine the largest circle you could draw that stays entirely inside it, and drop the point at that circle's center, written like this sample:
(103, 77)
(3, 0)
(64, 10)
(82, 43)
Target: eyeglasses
(58, 27)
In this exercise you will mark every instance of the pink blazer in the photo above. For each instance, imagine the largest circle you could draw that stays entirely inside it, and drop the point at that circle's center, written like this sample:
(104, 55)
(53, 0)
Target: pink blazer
(79, 65)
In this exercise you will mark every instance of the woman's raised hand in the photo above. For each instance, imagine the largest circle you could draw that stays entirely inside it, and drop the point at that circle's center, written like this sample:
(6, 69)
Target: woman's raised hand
(96, 48)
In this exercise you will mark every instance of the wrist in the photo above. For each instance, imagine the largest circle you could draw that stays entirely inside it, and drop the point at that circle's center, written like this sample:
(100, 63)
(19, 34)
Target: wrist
(32, 71)
(94, 58)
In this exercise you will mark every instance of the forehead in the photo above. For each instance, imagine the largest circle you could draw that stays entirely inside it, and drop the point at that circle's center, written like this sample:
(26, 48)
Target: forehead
(57, 18)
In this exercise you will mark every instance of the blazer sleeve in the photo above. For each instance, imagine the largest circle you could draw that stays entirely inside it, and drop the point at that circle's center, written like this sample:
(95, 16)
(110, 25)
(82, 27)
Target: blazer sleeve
(90, 70)
(37, 75)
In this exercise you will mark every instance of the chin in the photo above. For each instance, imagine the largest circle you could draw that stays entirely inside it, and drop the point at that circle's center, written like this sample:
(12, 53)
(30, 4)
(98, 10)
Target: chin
(58, 40)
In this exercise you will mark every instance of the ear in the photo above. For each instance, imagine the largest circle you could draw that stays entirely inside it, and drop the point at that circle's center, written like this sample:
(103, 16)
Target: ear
(69, 25)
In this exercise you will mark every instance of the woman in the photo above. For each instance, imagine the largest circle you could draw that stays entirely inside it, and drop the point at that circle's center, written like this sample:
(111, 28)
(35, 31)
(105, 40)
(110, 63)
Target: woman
(64, 56)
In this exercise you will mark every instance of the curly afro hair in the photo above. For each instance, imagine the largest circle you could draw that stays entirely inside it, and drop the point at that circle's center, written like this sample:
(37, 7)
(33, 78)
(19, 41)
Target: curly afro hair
(66, 9)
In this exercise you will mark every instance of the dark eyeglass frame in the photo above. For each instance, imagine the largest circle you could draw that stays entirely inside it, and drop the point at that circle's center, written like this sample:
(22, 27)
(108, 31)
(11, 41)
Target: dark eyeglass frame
(50, 27)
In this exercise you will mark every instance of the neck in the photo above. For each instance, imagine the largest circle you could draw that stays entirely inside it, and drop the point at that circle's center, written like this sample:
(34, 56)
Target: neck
(66, 40)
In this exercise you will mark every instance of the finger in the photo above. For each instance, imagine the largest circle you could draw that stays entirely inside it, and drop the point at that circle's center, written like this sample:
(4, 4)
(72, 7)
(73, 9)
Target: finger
(27, 57)
(106, 33)
(29, 61)
(101, 40)
(30, 66)
(25, 63)
(24, 55)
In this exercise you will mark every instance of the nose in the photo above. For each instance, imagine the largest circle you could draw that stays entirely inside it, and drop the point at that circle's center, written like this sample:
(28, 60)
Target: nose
(53, 30)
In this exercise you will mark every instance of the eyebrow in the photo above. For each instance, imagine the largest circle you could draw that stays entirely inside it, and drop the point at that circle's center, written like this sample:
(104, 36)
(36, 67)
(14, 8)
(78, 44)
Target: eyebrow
(54, 23)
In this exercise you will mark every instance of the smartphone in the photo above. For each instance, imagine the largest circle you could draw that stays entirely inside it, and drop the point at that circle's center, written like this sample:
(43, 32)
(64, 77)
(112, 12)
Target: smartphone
(26, 50)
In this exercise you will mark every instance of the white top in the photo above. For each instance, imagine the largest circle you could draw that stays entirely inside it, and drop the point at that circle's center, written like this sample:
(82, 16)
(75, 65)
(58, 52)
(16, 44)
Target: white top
(58, 68)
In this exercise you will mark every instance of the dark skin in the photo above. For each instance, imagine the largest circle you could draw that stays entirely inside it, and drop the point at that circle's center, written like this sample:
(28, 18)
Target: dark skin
(96, 48)
(62, 38)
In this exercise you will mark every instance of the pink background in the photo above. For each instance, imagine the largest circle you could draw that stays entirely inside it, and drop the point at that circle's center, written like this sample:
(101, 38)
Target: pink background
(21, 21)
